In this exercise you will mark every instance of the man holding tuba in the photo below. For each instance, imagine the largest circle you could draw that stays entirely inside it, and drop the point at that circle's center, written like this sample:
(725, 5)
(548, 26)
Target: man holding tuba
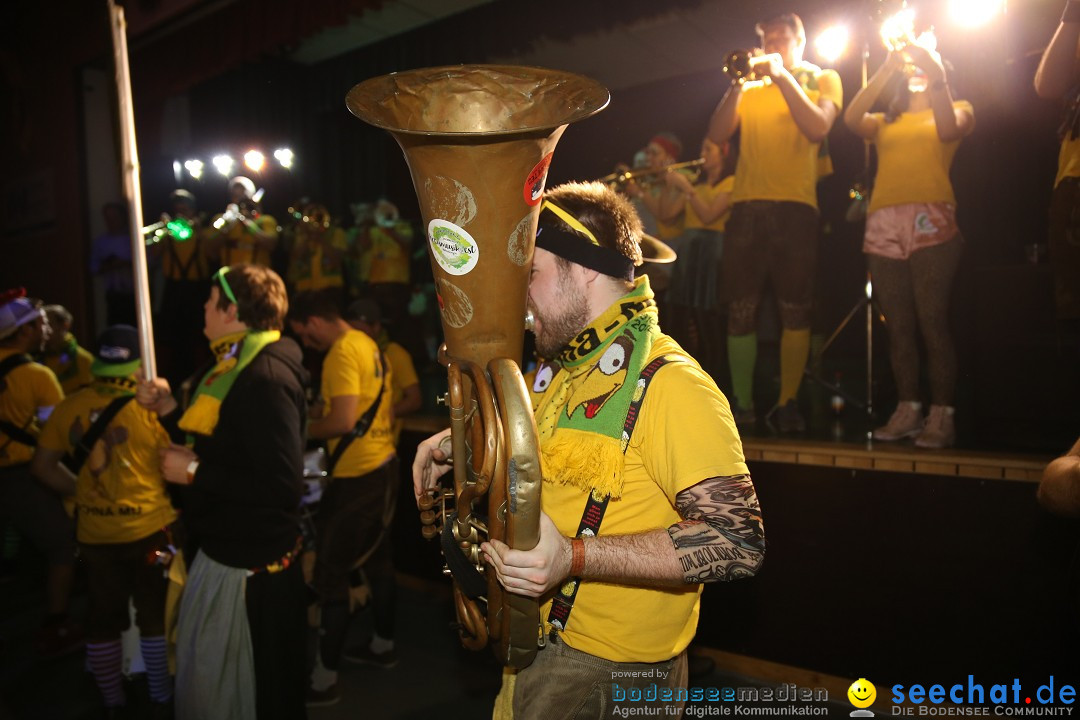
(785, 116)
(646, 493)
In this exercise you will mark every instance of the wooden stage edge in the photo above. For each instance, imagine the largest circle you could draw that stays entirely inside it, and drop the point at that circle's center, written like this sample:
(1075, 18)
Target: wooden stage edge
(886, 457)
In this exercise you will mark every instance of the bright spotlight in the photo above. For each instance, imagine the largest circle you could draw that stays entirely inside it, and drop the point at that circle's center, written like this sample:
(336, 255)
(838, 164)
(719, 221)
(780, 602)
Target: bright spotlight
(831, 44)
(284, 156)
(254, 160)
(194, 168)
(974, 13)
(223, 164)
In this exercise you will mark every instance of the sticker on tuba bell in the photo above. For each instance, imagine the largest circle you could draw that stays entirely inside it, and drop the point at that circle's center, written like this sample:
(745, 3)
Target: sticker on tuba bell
(534, 184)
(452, 247)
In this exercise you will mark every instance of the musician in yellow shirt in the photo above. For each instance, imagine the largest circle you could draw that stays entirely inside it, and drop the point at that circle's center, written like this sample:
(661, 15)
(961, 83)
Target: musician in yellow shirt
(366, 316)
(29, 392)
(318, 254)
(62, 354)
(696, 294)
(181, 347)
(125, 518)
(352, 527)
(783, 118)
(1058, 78)
(243, 233)
(912, 243)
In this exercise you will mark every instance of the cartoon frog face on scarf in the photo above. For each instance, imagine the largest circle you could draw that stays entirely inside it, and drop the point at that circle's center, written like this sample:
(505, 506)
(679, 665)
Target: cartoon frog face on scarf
(603, 379)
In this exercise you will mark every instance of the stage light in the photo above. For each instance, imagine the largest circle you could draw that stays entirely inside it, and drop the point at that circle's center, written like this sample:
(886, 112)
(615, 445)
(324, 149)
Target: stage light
(254, 160)
(284, 156)
(832, 43)
(974, 13)
(194, 168)
(223, 164)
(177, 168)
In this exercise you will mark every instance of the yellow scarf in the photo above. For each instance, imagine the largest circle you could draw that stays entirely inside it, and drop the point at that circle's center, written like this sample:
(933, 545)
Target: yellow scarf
(233, 352)
(582, 401)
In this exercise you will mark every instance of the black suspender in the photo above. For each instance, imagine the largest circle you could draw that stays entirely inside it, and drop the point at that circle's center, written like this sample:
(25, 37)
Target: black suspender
(81, 451)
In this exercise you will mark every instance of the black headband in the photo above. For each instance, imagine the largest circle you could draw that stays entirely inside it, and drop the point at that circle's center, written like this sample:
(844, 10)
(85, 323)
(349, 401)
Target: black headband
(583, 251)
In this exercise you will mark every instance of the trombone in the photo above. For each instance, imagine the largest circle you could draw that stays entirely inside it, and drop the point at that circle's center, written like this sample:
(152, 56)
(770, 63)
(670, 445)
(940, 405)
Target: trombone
(650, 176)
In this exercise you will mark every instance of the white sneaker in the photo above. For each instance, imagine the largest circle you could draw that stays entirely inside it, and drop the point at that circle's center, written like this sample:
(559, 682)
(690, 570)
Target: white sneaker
(940, 430)
(906, 421)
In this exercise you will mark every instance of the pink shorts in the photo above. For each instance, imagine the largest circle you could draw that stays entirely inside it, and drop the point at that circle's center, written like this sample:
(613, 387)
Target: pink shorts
(899, 230)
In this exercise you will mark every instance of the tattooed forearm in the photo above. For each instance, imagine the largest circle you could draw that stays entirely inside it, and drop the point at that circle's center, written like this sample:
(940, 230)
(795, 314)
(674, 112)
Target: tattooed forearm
(721, 536)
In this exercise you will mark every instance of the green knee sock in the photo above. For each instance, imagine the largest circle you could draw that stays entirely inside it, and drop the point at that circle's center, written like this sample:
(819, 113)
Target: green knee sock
(742, 355)
(794, 351)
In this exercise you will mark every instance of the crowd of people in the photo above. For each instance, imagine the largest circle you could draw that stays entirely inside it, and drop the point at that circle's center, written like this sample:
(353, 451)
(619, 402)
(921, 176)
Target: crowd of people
(182, 492)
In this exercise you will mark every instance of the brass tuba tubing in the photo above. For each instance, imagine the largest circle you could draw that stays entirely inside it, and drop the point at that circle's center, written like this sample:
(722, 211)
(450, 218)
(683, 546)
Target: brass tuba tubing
(471, 480)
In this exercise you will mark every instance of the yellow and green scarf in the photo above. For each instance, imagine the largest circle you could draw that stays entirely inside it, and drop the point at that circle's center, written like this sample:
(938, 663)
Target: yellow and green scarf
(234, 352)
(582, 399)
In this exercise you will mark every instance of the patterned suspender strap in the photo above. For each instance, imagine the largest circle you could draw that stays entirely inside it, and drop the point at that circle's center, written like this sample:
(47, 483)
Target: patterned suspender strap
(595, 507)
(184, 269)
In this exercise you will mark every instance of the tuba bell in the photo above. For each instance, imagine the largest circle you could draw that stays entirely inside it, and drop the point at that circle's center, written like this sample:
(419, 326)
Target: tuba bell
(478, 140)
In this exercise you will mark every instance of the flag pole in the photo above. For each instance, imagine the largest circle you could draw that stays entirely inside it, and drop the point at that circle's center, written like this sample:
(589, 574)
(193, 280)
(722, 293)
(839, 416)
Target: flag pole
(132, 191)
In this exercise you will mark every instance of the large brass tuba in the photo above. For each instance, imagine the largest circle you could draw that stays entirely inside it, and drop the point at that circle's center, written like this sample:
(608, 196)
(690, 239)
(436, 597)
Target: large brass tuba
(478, 140)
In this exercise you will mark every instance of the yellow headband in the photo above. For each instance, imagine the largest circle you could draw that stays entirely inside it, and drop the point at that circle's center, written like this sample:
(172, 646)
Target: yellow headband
(570, 220)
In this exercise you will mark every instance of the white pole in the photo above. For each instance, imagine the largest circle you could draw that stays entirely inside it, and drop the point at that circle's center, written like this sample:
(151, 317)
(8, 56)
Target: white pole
(132, 191)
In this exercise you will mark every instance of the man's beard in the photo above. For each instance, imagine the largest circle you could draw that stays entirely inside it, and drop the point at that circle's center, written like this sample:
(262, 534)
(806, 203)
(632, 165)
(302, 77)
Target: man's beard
(558, 330)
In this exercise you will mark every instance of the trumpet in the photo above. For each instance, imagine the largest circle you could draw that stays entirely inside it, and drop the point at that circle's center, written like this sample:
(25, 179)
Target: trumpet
(180, 228)
(650, 176)
(898, 32)
(739, 64)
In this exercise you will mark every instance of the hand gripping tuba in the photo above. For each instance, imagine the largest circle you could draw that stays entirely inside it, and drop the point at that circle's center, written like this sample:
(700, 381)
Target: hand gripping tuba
(478, 140)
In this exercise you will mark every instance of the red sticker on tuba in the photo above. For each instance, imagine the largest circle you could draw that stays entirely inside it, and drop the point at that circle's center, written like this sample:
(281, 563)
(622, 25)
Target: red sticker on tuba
(534, 184)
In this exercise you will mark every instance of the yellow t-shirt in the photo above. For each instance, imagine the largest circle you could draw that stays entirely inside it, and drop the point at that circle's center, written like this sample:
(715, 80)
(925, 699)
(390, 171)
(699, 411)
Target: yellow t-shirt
(241, 246)
(352, 367)
(776, 160)
(119, 494)
(685, 434)
(708, 194)
(71, 370)
(387, 260)
(1068, 159)
(913, 164)
(27, 393)
(184, 259)
(312, 267)
(402, 375)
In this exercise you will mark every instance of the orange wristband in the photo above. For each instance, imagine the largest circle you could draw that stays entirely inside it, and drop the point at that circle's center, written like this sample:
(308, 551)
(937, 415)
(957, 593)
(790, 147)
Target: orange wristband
(577, 562)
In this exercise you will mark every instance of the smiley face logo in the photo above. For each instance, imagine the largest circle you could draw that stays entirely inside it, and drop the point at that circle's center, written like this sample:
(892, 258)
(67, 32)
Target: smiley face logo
(862, 693)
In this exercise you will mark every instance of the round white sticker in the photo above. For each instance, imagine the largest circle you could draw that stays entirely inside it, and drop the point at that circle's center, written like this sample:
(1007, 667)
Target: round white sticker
(452, 247)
